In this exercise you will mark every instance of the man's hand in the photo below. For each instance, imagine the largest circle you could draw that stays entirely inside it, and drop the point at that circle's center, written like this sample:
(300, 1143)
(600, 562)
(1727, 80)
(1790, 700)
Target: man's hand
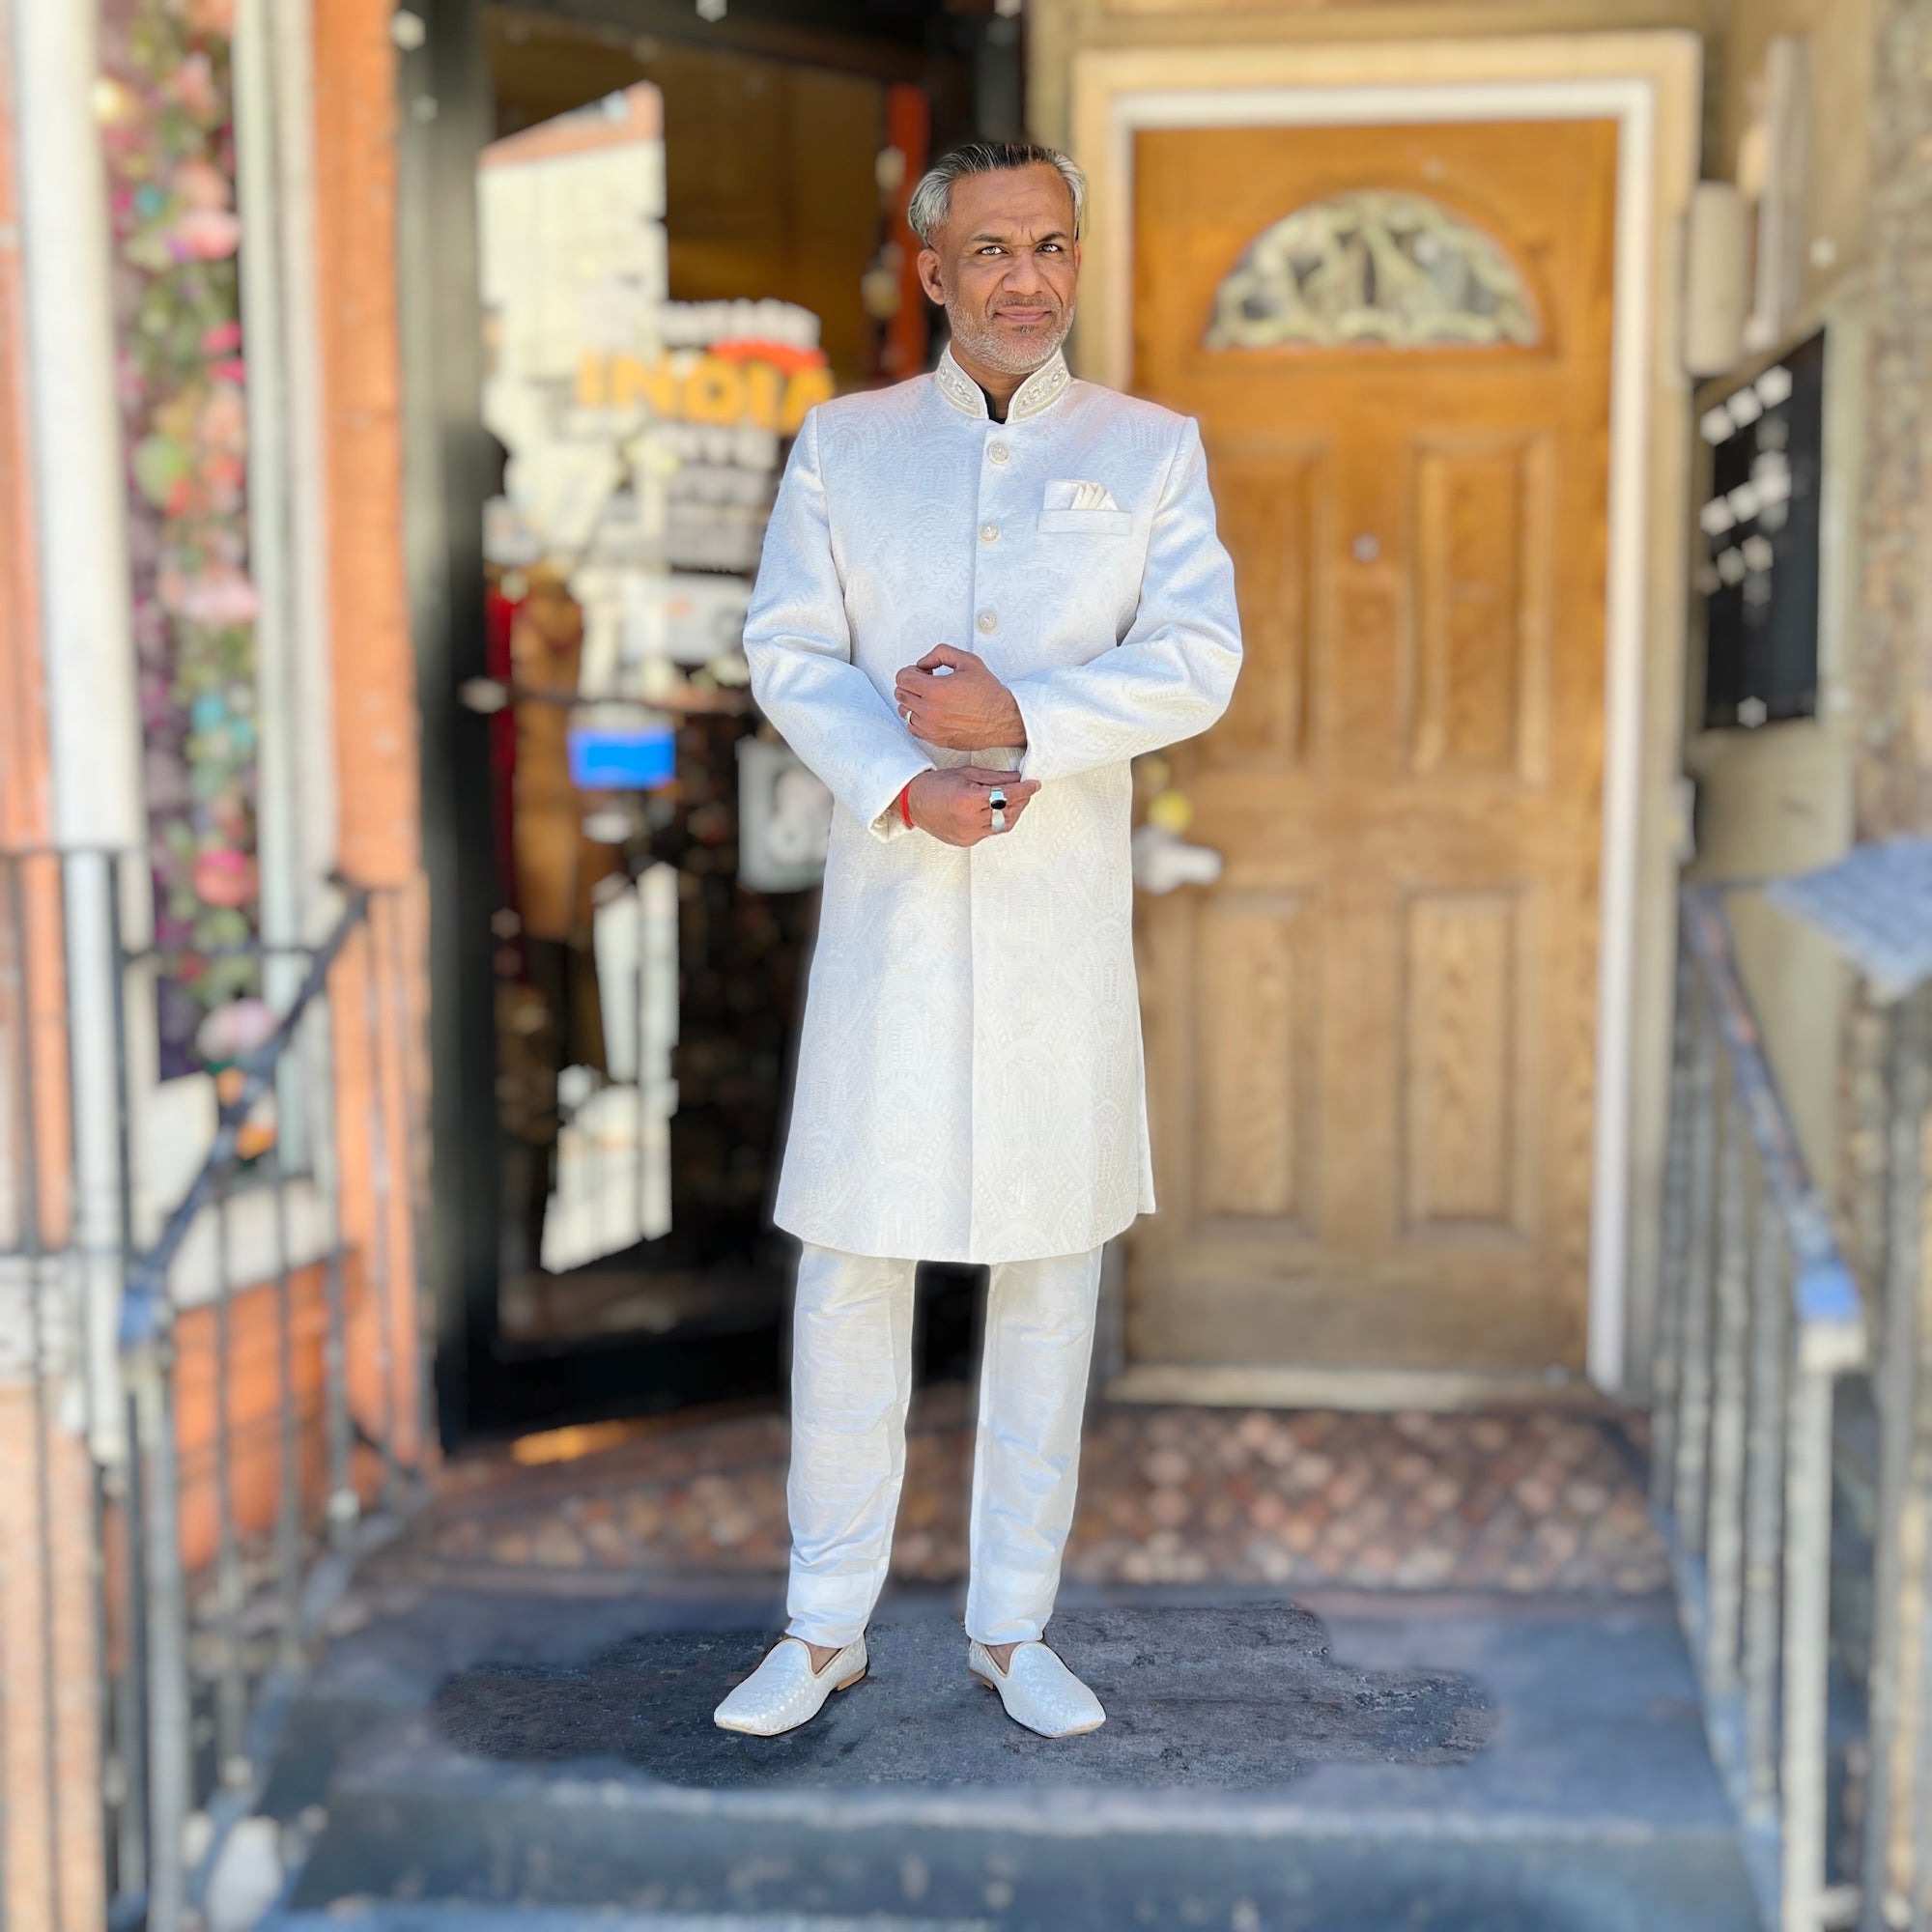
(949, 697)
(953, 805)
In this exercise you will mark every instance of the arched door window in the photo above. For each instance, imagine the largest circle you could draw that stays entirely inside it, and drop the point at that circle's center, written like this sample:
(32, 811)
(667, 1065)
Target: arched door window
(1373, 266)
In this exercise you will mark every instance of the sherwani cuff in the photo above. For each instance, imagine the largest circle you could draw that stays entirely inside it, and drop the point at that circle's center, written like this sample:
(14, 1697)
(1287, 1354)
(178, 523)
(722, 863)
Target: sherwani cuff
(886, 822)
(1030, 695)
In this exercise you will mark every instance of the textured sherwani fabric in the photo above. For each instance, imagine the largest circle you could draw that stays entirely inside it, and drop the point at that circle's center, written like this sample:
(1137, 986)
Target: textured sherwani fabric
(969, 1082)
(851, 1382)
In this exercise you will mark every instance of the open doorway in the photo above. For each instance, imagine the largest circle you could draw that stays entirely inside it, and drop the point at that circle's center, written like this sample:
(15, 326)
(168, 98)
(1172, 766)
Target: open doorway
(683, 239)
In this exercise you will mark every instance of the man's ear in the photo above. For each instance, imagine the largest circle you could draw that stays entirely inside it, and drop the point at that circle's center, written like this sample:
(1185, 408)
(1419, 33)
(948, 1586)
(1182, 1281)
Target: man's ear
(929, 276)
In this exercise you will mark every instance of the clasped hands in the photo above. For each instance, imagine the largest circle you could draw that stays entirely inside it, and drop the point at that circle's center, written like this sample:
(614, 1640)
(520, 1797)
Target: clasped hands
(950, 698)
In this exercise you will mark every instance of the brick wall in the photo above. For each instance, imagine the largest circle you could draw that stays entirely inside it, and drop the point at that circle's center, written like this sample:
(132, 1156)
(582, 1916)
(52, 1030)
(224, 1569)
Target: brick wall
(383, 1068)
(1891, 681)
(1892, 673)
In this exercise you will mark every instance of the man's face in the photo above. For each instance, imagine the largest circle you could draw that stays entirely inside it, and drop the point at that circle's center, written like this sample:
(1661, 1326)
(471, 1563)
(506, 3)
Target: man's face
(1005, 266)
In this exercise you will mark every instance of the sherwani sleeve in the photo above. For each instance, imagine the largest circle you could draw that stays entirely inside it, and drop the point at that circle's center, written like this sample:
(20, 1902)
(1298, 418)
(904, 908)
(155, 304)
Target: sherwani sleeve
(1172, 674)
(799, 645)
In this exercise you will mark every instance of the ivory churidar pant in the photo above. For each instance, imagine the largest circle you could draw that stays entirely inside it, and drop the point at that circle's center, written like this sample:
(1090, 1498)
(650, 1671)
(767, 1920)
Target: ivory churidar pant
(851, 1382)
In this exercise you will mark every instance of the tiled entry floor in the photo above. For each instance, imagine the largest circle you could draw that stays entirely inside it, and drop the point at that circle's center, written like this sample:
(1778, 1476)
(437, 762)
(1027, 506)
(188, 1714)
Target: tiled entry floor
(1529, 1501)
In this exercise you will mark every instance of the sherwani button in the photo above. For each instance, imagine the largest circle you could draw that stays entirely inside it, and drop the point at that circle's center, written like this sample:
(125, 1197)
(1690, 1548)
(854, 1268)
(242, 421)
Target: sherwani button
(988, 623)
(998, 451)
(989, 532)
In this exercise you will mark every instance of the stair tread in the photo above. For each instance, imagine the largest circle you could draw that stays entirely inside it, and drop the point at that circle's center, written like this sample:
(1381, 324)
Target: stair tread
(1440, 1755)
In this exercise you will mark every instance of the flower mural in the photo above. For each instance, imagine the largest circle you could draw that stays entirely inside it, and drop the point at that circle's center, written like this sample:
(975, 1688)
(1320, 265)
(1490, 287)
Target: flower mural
(165, 110)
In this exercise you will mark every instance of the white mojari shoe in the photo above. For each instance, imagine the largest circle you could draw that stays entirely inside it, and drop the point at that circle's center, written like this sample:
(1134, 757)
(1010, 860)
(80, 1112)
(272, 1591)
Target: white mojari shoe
(785, 1692)
(1038, 1690)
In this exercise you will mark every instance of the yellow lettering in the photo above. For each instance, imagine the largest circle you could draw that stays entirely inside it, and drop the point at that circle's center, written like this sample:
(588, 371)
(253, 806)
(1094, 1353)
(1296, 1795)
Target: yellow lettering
(807, 389)
(714, 392)
(633, 381)
(763, 386)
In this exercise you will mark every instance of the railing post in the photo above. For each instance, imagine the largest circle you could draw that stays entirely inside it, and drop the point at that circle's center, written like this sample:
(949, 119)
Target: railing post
(381, 1284)
(1920, 1881)
(1890, 1855)
(1724, 1553)
(1763, 1503)
(1694, 1428)
(344, 1506)
(1807, 1604)
(1674, 1248)
(170, 1755)
(288, 1487)
(231, 1687)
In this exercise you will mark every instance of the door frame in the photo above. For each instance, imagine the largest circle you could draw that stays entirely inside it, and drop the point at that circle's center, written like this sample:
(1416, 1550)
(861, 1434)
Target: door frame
(1650, 84)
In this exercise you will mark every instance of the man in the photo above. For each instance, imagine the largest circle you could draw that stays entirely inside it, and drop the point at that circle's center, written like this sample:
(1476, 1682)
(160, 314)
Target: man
(983, 592)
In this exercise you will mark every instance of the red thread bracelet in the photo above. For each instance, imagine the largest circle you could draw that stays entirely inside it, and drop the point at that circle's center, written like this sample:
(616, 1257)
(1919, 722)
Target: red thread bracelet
(905, 803)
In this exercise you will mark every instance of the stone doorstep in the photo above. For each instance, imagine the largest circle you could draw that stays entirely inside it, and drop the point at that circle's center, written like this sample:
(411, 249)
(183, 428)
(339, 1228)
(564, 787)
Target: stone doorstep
(395, 1918)
(455, 1857)
(1587, 1806)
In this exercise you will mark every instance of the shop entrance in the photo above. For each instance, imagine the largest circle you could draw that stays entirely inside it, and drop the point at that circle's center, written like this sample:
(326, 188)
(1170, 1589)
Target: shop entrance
(683, 242)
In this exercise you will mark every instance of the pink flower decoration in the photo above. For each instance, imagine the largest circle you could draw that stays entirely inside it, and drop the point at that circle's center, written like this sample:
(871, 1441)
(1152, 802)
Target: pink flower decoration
(222, 339)
(225, 877)
(198, 183)
(219, 599)
(223, 420)
(192, 85)
(205, 235)
(234, 370)
(211, 17)
(238, 1028)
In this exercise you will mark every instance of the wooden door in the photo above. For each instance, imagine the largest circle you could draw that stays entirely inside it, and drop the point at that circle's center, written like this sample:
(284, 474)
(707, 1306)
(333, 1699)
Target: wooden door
(1370, 1045)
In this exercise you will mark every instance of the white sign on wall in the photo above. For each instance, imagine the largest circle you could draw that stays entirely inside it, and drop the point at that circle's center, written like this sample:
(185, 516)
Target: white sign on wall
(785, 817)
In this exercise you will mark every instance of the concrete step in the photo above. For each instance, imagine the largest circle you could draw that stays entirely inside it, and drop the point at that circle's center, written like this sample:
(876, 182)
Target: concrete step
(1420, 1766)
(392, 1916)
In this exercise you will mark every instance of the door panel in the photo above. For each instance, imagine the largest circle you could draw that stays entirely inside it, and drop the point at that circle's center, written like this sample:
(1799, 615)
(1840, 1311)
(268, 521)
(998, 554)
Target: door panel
(1253, 1104)
(1480, 631)
(1267, 507)
(1462, 1149)
(1370, 1044)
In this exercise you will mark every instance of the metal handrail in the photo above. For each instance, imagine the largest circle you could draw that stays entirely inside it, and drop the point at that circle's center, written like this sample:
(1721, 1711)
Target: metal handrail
(1758, 1318)
(1825, 1297)
(224, 1667)
(144, 1304)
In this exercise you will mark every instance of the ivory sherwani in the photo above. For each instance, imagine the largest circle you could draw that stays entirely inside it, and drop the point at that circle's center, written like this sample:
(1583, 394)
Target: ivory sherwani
(970, 1072)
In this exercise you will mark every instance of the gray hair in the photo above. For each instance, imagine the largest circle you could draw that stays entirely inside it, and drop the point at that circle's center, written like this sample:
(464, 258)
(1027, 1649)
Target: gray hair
(932, 199)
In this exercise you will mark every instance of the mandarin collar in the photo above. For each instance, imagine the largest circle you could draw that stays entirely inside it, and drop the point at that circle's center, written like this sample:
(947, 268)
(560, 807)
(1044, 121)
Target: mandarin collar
(1039, 391)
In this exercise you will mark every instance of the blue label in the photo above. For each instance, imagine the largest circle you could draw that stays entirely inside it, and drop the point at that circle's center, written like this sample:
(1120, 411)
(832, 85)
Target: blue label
(622, 760)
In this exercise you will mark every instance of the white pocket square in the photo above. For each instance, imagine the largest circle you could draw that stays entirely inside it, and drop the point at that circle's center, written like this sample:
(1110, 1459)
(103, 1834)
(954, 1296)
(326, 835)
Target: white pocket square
(1069, 493)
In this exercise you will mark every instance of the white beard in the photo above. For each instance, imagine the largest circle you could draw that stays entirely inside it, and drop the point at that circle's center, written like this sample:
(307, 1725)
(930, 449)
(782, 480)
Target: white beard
(985, 345)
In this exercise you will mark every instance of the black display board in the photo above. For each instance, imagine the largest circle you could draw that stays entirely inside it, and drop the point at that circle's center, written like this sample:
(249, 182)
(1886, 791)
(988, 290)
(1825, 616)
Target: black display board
(1759, 521)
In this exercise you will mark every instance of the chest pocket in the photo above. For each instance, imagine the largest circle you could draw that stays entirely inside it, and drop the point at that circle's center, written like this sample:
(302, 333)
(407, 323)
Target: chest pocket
(1075, 507)
(1086, 523)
